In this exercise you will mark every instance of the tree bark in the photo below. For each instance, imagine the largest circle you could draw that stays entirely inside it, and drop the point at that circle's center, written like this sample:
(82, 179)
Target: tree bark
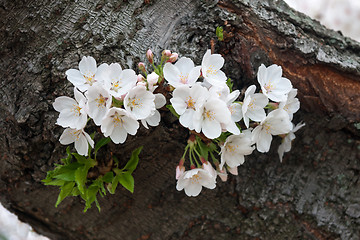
(313, 194)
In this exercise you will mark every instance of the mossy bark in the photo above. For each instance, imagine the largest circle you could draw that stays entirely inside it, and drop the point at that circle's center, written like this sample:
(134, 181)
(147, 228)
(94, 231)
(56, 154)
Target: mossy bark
(313, 194)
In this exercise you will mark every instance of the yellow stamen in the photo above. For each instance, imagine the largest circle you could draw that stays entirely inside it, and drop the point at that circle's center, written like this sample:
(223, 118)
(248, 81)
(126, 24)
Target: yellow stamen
(210, 70)
(89, 79)
(184, 78)
(101, 101)
(76, 109)
(190, 103)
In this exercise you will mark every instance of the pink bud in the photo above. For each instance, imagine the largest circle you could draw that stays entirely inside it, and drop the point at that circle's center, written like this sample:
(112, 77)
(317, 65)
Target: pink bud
(223, 175)
(166, 53)
(152, 78)
(179, 171)
(141, 84)
(141, 66)
(209, 168)
(173, 57)
(140, 78)
(150, 56)
(233, 171)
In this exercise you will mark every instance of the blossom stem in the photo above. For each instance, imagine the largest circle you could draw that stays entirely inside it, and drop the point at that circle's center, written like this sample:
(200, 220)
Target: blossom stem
(186, 148)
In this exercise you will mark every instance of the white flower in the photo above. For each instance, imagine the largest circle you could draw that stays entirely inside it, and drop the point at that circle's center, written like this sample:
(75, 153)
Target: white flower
(285, 145)
(186, 100)
(210, 116)
(152, 79)
(210, 68)
(140, 102)
(292, 104)
(117, 123)
(154, 118)
(193, 180)
(276, 123)
(183, 72)
(72, 113)
(273, 85)
(235, 148)
(99, 102)
(87, 74)
(80, 137)
(253, 106)
(117, 81)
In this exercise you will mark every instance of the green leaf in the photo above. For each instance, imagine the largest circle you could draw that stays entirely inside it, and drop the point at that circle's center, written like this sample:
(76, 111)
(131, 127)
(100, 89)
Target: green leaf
(134, 160)
(81, 177)
(66, 172)
(101, 143)
(75, 192)
(56, 182)
(230, 84)
(127, 181)
(116, 160)
(116, 102)
(91, 195)
(89, 162)
(172, 110)
(108, 177)
(114, 184)
(65, 191)
(220, 33)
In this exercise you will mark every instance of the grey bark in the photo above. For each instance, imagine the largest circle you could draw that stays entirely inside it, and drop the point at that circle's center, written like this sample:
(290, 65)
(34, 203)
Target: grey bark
(313, 194)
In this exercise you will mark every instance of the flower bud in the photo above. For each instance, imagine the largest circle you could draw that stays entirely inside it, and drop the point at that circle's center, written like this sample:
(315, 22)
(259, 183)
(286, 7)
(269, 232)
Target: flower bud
(179, 171)
(209, 168)
(152, 78)
(140, 78)
(166, 53)
(173, 57)
(233, 171)
(141, 66)
(223, 175)
(141, 84)
(150, 56)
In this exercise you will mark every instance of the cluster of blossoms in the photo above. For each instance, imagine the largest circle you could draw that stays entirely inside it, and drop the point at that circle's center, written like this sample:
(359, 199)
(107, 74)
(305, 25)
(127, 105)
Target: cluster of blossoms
(115, 99)
(202, 98)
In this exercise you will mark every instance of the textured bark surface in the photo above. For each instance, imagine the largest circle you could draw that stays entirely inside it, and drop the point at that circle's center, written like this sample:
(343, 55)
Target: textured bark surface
(313, 194)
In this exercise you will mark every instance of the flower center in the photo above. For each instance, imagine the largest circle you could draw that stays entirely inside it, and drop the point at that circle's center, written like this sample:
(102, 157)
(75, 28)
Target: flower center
(190, 103)
(89, 79)
(134, 102)
(76, 133)
(115, 85)
(209, 115)
(184, 78)
(76, 109)
(231, 148)
(117, 119)
(267, 128)
(269, 87)
(101, 100)
(211, 70)
(195, 179)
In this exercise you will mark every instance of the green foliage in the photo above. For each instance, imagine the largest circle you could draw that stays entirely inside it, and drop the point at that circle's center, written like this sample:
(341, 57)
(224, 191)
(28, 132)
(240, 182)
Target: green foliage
(220, 33)
(230, 84)
(172, 110)
(72, 176)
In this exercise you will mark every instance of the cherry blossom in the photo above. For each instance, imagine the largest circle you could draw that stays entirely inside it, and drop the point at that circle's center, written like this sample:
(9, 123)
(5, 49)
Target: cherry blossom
(99, 102)
(292, 104)
(285, 145)
(183, 72)
(193, 180)
(154, 118)
(276, 123)
(72, 112)
(117, 123)
(273, 85)
(186, 100)
(210, 68)
(87, 74)
(80, 137)
(253, 106)
(235, 148)
(140, 102)
(116, 80)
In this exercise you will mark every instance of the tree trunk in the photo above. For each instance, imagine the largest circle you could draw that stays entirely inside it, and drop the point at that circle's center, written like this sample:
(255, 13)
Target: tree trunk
(313, 194)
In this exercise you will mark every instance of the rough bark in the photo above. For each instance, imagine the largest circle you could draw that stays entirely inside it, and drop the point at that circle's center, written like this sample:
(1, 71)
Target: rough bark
(313, 194)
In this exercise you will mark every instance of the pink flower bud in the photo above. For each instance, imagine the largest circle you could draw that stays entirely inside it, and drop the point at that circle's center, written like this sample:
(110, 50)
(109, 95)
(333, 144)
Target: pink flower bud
(166, 53)
(140, 78)
(141, 66)
(223, 175)
(152, 78)
(209, 168)
(179, 171)
(150, 56)
(141, 84)
(173, 57)
(233, 171)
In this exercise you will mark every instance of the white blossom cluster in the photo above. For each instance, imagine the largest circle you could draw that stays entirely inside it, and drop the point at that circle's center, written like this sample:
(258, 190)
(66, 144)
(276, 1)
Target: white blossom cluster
(210, 108)
(113, 97)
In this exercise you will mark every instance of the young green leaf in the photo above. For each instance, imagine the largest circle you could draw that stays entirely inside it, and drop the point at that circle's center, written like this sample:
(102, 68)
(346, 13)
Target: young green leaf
(108, 177)
(230, 84)
(101, 143)
(56, 182)
(127, 181)
(65, 191)
(114, 184)
(220, 33)
(134, 160)
(172, 110)
(91, 195)
(81, 177)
